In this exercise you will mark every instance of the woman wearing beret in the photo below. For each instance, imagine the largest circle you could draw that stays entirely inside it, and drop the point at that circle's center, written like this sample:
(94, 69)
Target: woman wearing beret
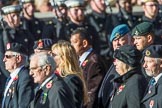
(130, 85)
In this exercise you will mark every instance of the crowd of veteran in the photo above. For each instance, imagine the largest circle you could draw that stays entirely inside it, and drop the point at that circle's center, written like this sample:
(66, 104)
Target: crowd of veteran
(83, 57)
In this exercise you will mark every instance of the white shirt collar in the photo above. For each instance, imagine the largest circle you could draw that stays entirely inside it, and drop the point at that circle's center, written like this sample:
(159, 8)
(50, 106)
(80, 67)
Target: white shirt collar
(84, 55)
(16, 72)
(45, 82)
(157, 77)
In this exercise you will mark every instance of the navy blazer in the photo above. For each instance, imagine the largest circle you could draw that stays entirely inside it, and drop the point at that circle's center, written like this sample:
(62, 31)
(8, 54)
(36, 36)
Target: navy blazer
(153, 98)
(20, 93)
(54, 94)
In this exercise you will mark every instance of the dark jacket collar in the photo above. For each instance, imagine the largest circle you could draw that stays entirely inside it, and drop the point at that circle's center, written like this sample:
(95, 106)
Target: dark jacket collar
(123, 78)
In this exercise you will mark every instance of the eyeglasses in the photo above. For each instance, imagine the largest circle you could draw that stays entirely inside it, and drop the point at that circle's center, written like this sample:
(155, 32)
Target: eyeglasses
(9, 56)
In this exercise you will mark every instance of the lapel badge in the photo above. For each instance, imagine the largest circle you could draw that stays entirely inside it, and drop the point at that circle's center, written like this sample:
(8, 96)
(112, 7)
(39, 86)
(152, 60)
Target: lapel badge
(40, 44)
(9, 90)
(121, 88)
(151, 103)
(149, 91)
(136, 32)
(147, 53)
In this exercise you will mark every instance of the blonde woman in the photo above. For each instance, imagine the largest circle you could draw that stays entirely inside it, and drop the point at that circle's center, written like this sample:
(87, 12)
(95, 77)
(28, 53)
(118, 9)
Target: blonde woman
(67, 66)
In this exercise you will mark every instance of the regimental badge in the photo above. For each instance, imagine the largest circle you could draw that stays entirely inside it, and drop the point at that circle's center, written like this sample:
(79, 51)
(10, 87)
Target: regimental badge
(136, 32)
(151, 103)
(147, 53)
(40, 44)
(8, 46)
(43, 98)
(117, 35)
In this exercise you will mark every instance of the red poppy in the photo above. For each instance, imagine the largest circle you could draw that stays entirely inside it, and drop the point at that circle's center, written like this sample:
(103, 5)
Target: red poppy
(84, 63)
(16, 78)
(49, 85)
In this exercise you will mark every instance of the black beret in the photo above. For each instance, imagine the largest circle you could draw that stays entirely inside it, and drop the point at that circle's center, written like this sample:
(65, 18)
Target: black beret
(16, 47)
(154, 51)
(142, 29)
(43, 44)
(128, 54)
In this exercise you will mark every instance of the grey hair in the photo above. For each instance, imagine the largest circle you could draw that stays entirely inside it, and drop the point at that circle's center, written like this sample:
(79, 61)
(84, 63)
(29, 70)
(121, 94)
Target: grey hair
(25, 57)
(44, 59)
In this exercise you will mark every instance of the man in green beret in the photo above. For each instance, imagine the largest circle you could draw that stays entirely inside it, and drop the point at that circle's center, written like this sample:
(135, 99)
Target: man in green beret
(143, 35)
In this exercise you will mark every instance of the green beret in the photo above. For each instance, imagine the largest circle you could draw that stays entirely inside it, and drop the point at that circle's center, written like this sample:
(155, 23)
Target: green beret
(142, 29)
(119, 31)
(128, 54)
(154, 51)
(74, 3)
(11, 9)
(16, 47)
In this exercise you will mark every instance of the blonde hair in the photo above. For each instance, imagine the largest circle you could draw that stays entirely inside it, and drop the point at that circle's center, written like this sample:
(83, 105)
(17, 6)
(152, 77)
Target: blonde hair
(70, 64)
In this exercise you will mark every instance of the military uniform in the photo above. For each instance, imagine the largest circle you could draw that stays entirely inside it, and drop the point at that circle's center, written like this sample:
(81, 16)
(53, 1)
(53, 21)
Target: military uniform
(34, 26)
(128, 18)
(101, 23)
(54, 94)
(54, 30)
(70, 27)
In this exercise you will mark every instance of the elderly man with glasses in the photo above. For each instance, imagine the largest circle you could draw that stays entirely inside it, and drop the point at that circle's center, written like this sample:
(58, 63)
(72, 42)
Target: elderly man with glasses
(52, 91)
(18, 91)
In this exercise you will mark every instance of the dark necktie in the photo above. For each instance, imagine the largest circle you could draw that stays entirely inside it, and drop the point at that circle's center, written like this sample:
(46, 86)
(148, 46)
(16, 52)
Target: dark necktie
(151, 84)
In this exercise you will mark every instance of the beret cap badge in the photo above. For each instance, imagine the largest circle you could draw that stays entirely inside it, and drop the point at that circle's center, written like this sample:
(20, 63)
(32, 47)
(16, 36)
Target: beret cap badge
(8, 46)
(117, 35)
(40, 43)
(147, 53)
(136, 32)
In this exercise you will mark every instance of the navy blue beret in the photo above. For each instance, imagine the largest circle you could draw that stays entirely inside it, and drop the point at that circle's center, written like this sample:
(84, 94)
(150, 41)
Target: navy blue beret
(154, 51)
(43, 44)
(119, 31)
(16, 47)
(129, 55)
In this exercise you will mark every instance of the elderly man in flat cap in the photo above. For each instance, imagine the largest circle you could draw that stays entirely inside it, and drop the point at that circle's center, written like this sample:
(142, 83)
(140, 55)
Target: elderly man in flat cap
(120, 36)
(153, 67)
(19, 87)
